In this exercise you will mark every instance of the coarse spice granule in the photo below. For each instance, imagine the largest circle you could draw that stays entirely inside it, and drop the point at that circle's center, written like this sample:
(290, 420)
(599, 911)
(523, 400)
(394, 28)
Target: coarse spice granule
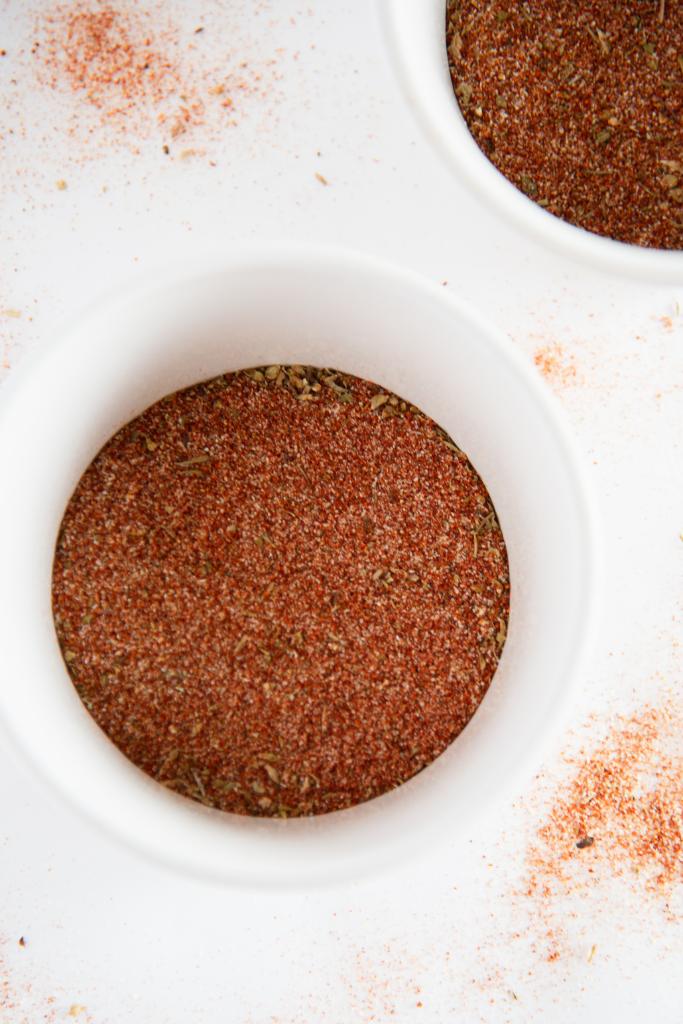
(580, 106)
(281, 592)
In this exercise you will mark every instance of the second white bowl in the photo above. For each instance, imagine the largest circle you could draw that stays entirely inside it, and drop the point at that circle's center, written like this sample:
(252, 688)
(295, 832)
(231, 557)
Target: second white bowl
(416, 35)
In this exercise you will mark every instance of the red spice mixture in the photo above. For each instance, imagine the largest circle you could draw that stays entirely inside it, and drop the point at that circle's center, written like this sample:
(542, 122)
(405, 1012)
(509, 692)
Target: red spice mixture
(580, 106)
(281, 592)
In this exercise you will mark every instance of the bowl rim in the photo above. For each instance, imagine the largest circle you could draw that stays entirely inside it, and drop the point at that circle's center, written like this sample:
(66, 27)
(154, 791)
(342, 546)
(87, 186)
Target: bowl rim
(406, 26)
(303, 256)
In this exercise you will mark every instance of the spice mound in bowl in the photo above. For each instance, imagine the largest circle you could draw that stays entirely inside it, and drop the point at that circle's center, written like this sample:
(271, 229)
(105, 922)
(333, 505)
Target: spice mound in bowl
(281, 592)
(580, 107)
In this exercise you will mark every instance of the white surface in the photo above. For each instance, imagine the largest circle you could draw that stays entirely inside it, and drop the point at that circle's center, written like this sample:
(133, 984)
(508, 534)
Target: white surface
(310, 305)
(131, 944)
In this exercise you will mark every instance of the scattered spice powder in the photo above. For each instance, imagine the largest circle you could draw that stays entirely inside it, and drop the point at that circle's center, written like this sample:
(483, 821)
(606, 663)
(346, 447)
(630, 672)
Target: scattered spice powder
(382, 982)
(557, 367)
(109, 54)
(20, 1003)
(619, 814)
(580, 106)
(281, 592)
(132, 72)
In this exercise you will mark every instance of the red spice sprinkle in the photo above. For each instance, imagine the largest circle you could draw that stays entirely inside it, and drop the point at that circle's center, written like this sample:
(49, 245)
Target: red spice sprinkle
(622, 809)
(108, 53)
(133, 73)
(281, 592)
(557, 367)
(101, 58)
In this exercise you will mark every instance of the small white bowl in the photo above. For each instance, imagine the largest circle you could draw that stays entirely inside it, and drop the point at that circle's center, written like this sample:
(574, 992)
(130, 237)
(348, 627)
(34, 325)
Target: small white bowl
(278, 304)
(416, 34)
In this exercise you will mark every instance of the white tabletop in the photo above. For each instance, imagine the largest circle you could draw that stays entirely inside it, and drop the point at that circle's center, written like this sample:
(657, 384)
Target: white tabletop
(111, 939)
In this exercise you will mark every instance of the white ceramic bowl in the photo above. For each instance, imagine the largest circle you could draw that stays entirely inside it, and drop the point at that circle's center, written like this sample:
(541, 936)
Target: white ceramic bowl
(416, 33)
(277, 305)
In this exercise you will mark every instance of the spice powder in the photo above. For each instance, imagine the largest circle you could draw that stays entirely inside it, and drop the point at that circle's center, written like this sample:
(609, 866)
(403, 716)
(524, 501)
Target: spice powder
(580, 106)
(281, 592)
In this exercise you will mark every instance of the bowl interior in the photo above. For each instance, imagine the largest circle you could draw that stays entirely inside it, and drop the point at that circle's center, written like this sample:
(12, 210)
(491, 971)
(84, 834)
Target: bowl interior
(416, 35)
(375, 322)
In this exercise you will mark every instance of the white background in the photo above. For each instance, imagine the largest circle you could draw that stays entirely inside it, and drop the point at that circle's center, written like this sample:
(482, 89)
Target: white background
(454, 932)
